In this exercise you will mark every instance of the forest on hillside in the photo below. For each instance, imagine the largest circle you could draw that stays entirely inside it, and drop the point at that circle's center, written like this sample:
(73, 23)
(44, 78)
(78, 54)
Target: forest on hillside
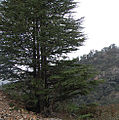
(106, 62)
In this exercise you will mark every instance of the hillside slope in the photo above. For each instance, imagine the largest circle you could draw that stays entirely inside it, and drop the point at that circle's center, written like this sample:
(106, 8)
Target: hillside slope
(11, 110)
(106, 63)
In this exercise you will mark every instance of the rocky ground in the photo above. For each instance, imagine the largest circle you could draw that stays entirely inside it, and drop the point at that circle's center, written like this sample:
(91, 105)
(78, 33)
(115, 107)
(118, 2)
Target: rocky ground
(9, 110)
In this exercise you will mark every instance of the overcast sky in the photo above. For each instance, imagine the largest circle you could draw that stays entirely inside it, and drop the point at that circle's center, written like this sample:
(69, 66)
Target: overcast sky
(101, 24)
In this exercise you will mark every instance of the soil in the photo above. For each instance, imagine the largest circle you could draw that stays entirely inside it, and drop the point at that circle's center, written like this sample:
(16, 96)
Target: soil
(12, 110)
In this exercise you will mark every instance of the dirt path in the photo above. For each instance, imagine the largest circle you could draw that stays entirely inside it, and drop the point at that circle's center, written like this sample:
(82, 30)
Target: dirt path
(9, 111)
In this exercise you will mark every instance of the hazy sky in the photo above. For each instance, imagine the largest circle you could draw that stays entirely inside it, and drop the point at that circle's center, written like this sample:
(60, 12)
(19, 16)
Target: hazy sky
(101, 24)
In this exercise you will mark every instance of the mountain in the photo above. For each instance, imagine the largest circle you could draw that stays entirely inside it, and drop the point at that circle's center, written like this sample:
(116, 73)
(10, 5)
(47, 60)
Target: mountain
(106, 62)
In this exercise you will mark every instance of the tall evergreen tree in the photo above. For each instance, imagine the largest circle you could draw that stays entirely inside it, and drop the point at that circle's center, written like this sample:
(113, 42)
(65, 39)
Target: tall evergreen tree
(36, 35)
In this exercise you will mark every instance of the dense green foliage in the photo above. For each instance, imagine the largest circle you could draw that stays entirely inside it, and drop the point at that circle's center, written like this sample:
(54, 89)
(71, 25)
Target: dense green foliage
(36, 36)
(106, 62)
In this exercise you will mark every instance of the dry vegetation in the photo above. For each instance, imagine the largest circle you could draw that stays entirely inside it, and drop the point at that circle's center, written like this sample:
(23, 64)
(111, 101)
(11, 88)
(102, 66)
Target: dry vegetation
(108, 112)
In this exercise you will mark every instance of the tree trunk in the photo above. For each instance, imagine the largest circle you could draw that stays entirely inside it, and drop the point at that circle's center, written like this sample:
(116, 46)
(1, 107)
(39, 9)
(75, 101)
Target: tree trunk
(34, 52)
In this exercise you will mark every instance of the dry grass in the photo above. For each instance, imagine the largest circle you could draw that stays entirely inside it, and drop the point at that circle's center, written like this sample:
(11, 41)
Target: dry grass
(110, 112)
